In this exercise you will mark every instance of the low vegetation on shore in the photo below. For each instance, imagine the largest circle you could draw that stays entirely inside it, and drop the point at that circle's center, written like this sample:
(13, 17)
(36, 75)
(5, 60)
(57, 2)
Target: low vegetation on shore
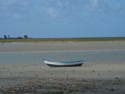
(61, 39)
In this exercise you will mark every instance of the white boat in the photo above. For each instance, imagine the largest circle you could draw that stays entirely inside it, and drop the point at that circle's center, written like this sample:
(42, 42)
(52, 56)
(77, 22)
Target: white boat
(65, 64)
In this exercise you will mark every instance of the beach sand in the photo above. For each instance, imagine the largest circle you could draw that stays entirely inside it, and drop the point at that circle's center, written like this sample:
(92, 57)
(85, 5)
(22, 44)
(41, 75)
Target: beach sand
(90, 78)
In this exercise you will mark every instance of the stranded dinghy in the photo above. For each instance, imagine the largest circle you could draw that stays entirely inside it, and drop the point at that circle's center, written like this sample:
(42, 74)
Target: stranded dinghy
(64, 64)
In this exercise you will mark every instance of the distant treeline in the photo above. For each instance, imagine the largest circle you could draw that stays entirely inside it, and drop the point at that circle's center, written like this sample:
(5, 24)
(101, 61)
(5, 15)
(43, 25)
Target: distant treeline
(19, 37)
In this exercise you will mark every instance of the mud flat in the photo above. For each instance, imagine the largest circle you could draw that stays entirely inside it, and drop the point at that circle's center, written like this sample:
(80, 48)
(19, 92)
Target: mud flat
(62, 46)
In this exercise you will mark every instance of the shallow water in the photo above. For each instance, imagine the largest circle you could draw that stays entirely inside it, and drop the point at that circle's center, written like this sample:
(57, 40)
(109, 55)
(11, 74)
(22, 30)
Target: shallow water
(99, 56)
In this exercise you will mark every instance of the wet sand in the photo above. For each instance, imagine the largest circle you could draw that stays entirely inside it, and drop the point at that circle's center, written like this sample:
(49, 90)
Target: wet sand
(90, 78)
(62, 46)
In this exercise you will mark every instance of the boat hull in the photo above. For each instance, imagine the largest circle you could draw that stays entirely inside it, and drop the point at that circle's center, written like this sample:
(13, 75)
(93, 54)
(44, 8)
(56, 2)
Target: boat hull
(74, 65)
(64, 64)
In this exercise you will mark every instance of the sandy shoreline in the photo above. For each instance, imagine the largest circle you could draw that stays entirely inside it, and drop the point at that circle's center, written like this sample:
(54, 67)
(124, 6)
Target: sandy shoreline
(90, 78)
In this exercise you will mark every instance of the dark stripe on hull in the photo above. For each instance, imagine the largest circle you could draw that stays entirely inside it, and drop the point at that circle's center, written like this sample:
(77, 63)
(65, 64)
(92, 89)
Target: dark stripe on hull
(74, 65)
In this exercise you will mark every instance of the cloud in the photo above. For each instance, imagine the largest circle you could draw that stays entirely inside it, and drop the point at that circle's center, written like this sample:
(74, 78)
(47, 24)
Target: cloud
(55, 8)
(16, 15)
(97, 6)
(14, 8)
(105, 6)
(8, 2)
(94, 3)
(52, 12)
(60, 4)
(11, 4)
(119, 7)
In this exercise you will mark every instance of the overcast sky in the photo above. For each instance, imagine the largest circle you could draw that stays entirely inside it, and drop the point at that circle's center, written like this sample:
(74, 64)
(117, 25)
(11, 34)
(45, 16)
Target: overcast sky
(62, 18)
